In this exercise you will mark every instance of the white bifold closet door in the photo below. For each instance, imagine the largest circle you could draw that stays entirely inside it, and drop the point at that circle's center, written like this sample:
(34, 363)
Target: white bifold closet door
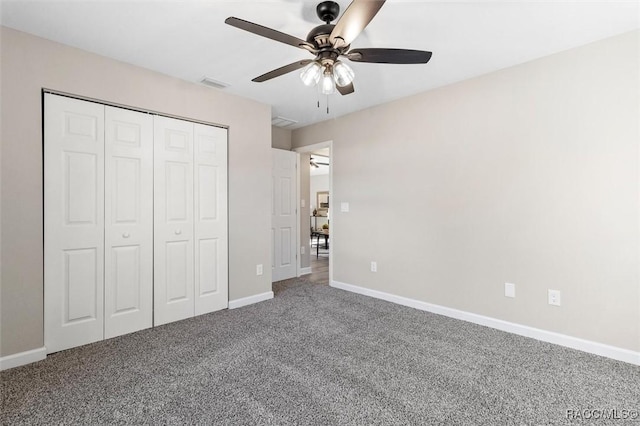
(135, 209)
(173, 217)
(73, 222)
(210, 215)
(128, 233)
(190, 214)
(98, 222)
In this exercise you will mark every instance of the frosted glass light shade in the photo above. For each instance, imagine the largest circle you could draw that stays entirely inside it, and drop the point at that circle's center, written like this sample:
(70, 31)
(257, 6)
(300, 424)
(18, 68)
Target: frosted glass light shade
(328, 85)
(310, 75)
(343, 74)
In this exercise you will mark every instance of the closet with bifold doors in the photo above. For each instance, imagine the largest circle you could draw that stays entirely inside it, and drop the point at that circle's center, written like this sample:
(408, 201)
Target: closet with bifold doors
(135, 220)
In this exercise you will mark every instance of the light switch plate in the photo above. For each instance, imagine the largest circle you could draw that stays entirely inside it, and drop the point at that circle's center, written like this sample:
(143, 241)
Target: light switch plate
(344, 207)
(303, 203)
(509, 290)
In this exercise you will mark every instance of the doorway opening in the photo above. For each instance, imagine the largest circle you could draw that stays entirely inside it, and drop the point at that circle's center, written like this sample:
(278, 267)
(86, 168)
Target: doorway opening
(316, 221)
(320, 214)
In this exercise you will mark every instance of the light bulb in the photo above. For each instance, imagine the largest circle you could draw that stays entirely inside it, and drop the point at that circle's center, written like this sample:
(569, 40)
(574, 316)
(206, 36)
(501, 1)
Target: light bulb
(343, 74)
(310, 75)
(328, 85)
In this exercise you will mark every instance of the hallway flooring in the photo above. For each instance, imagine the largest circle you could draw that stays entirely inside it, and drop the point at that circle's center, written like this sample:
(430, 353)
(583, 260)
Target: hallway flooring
(319, 275)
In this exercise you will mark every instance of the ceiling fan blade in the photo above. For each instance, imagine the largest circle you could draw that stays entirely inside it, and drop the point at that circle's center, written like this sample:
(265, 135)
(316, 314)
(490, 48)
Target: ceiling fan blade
(268, 33)
(389, 56)
(346, 89)
(354, 20)
(282, 70)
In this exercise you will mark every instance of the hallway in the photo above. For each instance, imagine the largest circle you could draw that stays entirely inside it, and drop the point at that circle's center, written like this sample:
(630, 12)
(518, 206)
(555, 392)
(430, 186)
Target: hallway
(319, 275)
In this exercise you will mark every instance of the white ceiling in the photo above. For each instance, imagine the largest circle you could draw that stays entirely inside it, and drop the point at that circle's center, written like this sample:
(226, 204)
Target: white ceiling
(188, 39)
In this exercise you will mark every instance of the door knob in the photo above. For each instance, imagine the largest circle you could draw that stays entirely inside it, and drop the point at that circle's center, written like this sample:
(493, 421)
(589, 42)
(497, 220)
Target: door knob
(178, 232)
(126, 235)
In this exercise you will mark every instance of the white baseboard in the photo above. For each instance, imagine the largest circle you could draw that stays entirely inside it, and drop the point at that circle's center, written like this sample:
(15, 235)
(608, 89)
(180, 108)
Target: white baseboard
(22, 358)
(238, 303)
(596, 348)
(305, 271)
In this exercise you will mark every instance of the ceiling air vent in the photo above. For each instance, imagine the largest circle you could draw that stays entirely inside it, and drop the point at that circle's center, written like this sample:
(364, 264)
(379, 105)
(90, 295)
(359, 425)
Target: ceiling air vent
(282, 122)
(213, 83)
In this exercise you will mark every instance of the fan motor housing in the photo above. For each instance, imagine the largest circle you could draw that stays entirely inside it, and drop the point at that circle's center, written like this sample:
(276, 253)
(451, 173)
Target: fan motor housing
(328, 11)
(320, 35)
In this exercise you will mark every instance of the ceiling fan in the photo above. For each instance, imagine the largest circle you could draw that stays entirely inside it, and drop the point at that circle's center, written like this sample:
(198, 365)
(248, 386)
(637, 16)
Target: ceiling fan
(329, 42)
(313, 161)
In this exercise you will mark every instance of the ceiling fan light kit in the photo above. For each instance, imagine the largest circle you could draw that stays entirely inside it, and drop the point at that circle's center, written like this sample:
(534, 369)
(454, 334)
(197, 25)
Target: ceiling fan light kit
(328, 85)
(343, 74)
(310, 75)
(336, 74)
(329, 42)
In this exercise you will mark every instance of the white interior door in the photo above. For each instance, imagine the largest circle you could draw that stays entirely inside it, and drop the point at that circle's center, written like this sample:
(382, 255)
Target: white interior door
(210, 194)
(283, 219)
(128, 234)
(73, 222)
(173, 220)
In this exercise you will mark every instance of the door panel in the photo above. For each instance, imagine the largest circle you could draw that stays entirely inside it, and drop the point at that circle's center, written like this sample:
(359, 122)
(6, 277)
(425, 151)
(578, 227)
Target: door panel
(126, 197)
(207, 200)
(81, 186)
(178, 199)
(177, 271)
(73, 222)
(173, 220)
(208, 271)
(128, 221)
(211, 238)
(283, 220)
(286, 241)
(127, 285)
(81, 285)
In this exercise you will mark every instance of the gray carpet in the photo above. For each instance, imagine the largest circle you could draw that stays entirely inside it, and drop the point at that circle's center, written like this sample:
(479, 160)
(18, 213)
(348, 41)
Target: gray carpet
(317, 355)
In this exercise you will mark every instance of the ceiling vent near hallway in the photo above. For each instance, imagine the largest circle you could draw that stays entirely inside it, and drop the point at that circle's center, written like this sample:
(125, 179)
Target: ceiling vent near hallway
(213, 83)
(282, 122)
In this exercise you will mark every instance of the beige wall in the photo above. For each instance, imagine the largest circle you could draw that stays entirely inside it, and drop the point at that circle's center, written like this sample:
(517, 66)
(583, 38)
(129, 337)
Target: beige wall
(280, 138)
(29, 64)
(528, 175)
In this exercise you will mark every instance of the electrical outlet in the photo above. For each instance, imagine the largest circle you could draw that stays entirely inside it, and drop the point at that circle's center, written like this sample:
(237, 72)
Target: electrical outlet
(374, 266)
(303, 202)
(259, 269)
(554, 297)
(302, 250)
(509, 290)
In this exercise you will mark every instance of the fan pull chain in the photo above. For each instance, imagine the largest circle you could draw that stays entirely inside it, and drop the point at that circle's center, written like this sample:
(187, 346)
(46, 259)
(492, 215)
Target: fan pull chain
(327, 104)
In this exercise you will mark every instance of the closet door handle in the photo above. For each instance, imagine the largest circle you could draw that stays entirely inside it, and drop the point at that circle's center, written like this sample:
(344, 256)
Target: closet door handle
(178, 232)
(126, 235)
